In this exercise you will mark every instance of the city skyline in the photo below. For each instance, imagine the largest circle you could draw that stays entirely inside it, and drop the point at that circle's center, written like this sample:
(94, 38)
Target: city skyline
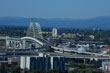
(55, 9)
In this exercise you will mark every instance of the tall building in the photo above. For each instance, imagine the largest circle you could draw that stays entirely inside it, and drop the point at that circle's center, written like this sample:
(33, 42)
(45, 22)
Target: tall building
(34, 30)
(54, 32)
(106, 66)
(42, 62)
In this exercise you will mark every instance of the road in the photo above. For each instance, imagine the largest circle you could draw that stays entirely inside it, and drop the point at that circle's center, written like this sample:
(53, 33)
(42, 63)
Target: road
(67, 55)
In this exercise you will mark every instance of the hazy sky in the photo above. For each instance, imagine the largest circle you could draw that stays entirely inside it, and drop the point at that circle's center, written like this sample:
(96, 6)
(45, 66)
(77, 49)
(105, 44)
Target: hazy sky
(55, 8)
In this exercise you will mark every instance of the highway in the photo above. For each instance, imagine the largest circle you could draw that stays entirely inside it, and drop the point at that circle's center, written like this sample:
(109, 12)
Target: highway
(67, 55)
(70, 55)
(71, 51)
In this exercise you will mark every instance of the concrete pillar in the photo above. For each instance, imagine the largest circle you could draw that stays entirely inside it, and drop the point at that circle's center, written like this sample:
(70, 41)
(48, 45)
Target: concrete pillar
(7, 42)
(14, 44)
(23, 44)
(20, 45)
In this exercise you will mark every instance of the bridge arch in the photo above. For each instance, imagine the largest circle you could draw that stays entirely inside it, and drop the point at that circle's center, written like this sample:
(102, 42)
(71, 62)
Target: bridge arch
(33, 39)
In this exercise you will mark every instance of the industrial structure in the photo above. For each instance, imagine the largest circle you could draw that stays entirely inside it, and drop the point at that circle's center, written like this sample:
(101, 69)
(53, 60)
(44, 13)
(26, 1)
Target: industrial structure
(21, 43)
(33, 38)
(34, 30)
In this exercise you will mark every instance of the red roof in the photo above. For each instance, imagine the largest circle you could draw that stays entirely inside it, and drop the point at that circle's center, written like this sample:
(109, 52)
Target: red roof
(15, 60)
(107, 47)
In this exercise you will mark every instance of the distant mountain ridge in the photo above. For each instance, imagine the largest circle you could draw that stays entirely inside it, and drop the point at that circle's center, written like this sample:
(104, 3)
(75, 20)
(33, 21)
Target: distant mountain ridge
(102, 22)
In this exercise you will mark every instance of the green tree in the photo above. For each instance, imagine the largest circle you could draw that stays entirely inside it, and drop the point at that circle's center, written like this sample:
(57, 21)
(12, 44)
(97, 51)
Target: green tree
(15, 69)
(88, 70)
(3, 68)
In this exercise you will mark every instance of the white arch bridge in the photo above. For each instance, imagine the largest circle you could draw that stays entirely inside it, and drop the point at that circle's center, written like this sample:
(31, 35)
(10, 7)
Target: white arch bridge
(22, 43)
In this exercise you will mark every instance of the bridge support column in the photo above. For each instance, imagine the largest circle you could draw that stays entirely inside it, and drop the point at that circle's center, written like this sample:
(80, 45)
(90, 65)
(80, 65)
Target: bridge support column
(23, 44)
(20, 45)
(7, 42)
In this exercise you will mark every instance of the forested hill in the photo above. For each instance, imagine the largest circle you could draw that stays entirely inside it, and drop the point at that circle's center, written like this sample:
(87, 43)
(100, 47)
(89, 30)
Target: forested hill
(102, 22)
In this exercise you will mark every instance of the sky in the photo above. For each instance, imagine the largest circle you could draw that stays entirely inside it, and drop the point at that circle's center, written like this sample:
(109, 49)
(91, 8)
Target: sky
(55, 8)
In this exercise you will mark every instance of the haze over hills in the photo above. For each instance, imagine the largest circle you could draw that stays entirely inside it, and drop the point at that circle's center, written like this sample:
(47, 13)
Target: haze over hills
(102, 22)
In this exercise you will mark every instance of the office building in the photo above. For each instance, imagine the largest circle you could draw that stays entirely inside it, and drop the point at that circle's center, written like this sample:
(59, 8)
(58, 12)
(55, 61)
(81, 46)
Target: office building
(42, 62)
(54, 32)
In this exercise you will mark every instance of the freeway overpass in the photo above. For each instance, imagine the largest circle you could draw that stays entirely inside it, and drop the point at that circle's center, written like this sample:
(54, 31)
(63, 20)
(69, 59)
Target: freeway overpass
(70, 50)
(34, 53)
(69, 55)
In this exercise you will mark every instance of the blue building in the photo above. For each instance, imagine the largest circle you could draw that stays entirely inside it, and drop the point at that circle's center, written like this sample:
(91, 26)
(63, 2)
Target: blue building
(42, 62)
